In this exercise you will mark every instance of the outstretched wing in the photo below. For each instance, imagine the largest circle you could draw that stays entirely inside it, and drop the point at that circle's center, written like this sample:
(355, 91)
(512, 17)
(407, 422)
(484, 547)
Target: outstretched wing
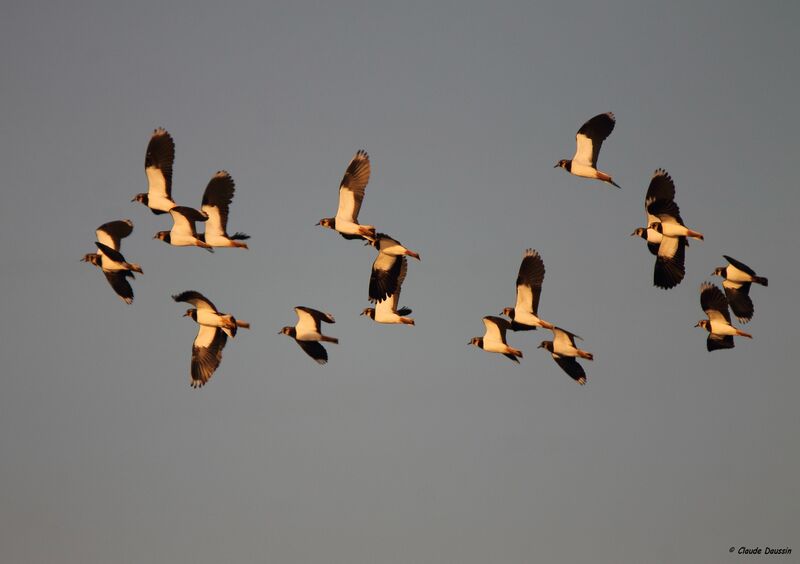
(216, 201)
(669, 269)
(314, 350)
(714, 303)
(740, 265)
(158, 164)
(110, 233)
(661, 188)
(529, 282)
(496, 328)
(563, 338)
(184, 218)
(197, 299)
(739, 300)
(569, 365)
(385, 276)
(206, 354)
(351, 190)
(590, 138)
(120, 284)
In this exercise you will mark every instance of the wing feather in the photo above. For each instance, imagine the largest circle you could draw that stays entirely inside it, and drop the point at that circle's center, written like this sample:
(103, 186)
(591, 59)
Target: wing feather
(158, 164)
(590, 137)
(351, 189)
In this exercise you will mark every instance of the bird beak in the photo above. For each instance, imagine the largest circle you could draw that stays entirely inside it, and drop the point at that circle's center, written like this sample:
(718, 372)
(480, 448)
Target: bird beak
(280, 332)
(318, 223)
(634, 233)
(555, 165)
(133, 200)
(186, 314)
(541, 346)
(697, 324)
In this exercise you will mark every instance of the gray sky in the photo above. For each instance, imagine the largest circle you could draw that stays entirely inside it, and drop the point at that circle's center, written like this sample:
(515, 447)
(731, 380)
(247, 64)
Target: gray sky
(408, 446)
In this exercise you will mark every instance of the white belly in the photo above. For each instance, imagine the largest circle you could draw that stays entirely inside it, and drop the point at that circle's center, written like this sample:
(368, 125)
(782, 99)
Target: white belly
(387, 317)
(527, 318)
(347, 227)
(160, 203)
(310, 336)
(181, 239)
(209, 318)
(495, 346)
(674, 230)
(721, 328)
(735, 275)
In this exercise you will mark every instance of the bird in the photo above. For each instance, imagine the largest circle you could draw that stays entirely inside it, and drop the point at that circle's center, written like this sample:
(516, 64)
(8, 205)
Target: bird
(212, 335)
(589, 140)
(669, 269)
(183, 232)
(158, 163)
(661, 188)
(307, 333)
(114, 266)
(206, 313)
(216, 201)
(386, 311)
(564, 351)
(386, 267)
(494, 338)
(351, 195)
(718, 324)
(524, 315)
(737, 280)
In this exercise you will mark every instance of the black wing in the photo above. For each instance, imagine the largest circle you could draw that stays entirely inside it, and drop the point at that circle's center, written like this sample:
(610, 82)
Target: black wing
(666, 210)
(716, 342)
(120, 284)
(714, 302)
(598, 129)
(529, 280)
(314, 350)
(661, 187)
(197, 299)
(116, 256)
(219, 194)
(740, 302)
(740, 265)
(669, 269)
(206, 359)
(569, 365)
(317, 314)
(161, 155)
(112, 232)
(384, 282)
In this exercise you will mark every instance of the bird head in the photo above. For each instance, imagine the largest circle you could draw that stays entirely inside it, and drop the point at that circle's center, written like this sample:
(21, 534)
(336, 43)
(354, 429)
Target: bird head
(288, 330)
(93, 258)
(162, 236)
(547, 345)
(477, 341)
(719, 271)
(369, 312)
(704, 324)
(640, 232)
(508, 312)
(191, 312)
(329, 222)
(141, 198)
(561, 164)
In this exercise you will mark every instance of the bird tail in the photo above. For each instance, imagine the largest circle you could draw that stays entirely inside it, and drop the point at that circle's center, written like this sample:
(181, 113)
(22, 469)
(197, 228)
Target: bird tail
(407, 321)
(242, 324)
(137, 268)
(239, 236)
(205, 246)
(515, 352)
(327, 339)
(743, 334)
(606, 178)
(586, 355)
(696, 235)
(239, 245)
(760, 280)
(367, 231)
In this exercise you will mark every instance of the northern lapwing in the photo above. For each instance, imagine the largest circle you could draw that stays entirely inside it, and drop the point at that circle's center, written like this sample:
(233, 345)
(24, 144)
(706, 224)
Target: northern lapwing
(386, 311)
(212, 335)
(737, 280)
(351, 194)
(386, 268)
(206, 313)
(671, 255)
(588, 141)
(661, 188)
(108, 258)
(158, 165)
(216, 201)
(494, 338)
(524, 315)
(564, 351)
(718, 324)
(184, 232)
(307, 333)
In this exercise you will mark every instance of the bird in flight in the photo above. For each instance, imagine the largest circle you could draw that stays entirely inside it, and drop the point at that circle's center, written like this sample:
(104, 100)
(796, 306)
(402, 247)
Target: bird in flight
(108, 258)
(718, 324)
(158, 163)
(588, 142)
(351, 195)
(494, 338)
(307, 332)
(524, 315)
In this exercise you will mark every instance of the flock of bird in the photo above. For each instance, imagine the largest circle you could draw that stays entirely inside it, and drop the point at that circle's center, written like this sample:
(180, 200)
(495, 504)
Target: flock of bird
(666, 235)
